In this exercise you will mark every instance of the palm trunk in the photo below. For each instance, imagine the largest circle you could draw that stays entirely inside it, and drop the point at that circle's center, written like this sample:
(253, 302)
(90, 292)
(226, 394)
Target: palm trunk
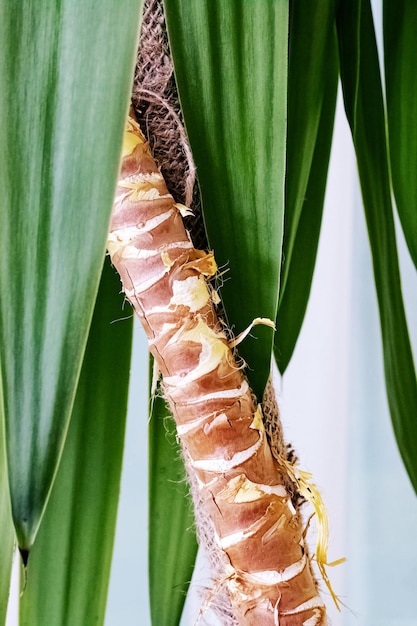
(258, 531)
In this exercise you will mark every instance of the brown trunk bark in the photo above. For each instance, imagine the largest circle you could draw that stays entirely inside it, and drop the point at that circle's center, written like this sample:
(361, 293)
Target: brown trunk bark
(260, 534)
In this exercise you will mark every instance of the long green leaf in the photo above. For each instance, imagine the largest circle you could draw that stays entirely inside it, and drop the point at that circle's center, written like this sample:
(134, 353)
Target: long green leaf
(400, 54)
(230, 59)
(362, 92)
(312, 89)
(6, 526)
(311, 65)
(65, 74)
(294, 298)
(172, 540)
(69, 566)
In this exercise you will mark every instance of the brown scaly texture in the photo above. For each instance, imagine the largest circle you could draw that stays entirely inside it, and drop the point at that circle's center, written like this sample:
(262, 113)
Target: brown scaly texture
(240, 483)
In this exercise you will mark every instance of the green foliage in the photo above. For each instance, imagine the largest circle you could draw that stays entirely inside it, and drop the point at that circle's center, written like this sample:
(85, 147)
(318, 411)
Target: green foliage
(400, 53)
(312, 89)
(6, 527)
(362, 91)
(230, 60)
(65, 74)
(68, 569)
(172, 540)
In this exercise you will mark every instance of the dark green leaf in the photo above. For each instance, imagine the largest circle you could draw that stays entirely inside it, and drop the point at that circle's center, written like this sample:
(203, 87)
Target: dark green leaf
(69, 566)
(230, 59)
(362, 92)
(294, 298)
(400, 54)
(311, 66)
(172, 540)
(65, 76)
(312, 89)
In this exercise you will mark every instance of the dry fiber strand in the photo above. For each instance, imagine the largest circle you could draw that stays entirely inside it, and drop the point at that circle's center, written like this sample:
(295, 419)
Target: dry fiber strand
(241, 484)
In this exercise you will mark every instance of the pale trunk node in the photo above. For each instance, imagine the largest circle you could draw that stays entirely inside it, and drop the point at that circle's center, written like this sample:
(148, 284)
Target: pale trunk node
(266, 567)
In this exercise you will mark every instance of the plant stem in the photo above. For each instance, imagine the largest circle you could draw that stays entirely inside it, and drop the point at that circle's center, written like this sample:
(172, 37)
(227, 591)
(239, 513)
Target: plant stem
(259, 533)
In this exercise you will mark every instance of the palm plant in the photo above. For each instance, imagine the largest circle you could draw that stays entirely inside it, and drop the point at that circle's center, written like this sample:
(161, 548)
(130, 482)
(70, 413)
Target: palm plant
(262, 179)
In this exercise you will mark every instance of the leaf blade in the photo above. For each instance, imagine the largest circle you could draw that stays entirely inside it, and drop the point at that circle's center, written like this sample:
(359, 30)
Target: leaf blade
(295, 296)
(311, 46)
(58, 171)
(312, 89)
(6, 527)
(235, 114)
(362, 91)
(69, 566)
(400, 50)
(172, 539)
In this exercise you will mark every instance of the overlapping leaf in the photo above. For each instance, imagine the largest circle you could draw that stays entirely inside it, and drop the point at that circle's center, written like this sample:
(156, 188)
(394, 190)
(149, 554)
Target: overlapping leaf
(172, 539)
(230, 59)
(68, 568)
(362, 92)
(400, 54)
(312, 88)
(6, 528)
(65, 75)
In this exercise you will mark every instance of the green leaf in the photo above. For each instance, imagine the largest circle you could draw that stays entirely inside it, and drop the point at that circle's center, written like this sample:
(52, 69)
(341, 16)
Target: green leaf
(294, 298)
(230, 59)
(69, 566)
(311, 66)
(65, 76)
(400, 54)
(172, 539)
(312, 90)
(362, 92)
(6, 527)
